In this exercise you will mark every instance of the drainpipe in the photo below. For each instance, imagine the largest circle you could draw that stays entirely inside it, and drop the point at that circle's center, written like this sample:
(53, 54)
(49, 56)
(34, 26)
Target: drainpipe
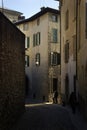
(60, 34)
(60, 30)
(77, 42)
(76, 38)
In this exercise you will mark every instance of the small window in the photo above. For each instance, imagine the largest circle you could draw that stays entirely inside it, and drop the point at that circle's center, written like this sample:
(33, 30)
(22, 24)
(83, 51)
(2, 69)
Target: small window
(27, 42)
(38, 21)
(37, 59)
(67, 20)
(54, 18)
(26, 60)
(55, 58)
(25, 27)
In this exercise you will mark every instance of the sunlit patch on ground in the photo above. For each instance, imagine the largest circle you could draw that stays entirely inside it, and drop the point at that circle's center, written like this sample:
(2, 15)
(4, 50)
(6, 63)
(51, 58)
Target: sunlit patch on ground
(37, 104)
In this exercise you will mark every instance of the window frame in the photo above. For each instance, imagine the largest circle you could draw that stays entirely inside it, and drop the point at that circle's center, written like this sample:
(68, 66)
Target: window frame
(54, 58)
(36, 39)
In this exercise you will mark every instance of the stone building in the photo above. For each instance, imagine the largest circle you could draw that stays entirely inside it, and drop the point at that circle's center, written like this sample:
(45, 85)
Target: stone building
(12, 73)
(68, 48)
(12, 15)
(82, 54)
(42, 48)
(74, 50)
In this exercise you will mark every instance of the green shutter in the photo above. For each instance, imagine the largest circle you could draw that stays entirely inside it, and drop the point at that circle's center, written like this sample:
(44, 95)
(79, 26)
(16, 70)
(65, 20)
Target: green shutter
(54, 35)
(33, 39)
(27, 60)
(38, 38)
(28, 42)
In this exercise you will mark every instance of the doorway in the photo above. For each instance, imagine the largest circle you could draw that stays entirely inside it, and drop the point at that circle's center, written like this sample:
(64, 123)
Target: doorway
(55, 83)
(67, 88)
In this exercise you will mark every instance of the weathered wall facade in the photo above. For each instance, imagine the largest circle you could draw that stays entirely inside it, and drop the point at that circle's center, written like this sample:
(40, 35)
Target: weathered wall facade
(68, 48)
(12, 73)
(82, 55)
(41, 76)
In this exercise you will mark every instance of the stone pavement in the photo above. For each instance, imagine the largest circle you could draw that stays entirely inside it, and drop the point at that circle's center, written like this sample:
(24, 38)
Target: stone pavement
(77, 119)
(44, 116)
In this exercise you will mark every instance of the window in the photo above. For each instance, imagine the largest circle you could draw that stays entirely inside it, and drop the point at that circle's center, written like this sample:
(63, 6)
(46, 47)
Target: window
(26, 60)
(67, 20)
(74, 47)
(55, 58)
(86, 20)
(38, 21)
(25, 26)
(74, 8)
(54, 35)
(27, 42)
(36, 39)
(37, 59)
(66, 52)
(54, 18)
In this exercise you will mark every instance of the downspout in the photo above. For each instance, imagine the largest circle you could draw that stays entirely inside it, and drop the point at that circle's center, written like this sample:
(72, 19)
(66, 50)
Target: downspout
(60, 34)
(76, 38)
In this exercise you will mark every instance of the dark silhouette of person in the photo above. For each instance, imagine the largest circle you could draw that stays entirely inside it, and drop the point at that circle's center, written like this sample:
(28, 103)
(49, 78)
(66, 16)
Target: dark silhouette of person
(55, 97)
(72, 102)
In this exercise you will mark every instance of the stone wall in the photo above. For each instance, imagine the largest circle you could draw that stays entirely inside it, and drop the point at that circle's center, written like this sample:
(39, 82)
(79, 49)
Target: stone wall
(12, 73)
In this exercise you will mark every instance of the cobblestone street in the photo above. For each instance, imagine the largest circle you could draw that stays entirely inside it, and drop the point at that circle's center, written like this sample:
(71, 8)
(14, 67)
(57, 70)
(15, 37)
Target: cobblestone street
(48, 117)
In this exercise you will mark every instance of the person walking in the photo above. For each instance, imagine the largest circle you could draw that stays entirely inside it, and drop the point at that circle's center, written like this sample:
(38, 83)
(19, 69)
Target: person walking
(55, 97)
(72, 102)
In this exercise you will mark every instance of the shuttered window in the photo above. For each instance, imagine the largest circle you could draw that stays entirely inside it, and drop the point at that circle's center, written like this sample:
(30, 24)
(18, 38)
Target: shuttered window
(36, 39)
(54, 35)
(55, 58)
(66, 52)
(27, 42)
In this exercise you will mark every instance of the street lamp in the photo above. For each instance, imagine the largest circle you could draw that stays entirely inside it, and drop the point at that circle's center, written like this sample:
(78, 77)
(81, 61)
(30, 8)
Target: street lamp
(37, 63)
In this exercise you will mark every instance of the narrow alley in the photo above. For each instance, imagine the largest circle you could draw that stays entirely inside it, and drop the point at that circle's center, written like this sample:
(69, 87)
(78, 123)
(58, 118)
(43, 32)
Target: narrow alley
(45, 116)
